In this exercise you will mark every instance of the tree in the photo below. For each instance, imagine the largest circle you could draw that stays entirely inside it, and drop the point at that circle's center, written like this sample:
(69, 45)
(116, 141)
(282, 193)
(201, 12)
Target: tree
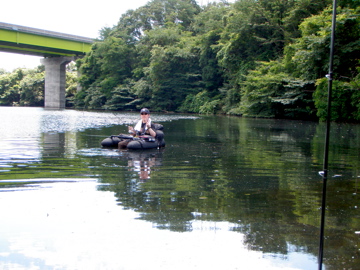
(270, 91)
(32, 88)
(71, 84)
(24, 87)
(9, 87)
(174, 74)
(253, 57)
(345, 101)
(108, 65)
(301, 10)
(208, 26)
(155, 14)
(283, 88)
(111, 63)
(309, 55)
(310, 58)
(254, 31)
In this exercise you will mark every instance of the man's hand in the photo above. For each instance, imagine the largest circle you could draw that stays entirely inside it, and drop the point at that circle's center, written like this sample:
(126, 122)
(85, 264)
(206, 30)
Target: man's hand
(131, 129)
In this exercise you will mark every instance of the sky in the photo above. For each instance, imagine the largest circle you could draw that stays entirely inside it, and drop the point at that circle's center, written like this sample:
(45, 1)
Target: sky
(76, 17)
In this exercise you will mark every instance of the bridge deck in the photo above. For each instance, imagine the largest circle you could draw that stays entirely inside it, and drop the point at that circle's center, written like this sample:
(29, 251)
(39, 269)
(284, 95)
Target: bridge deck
(27, 40)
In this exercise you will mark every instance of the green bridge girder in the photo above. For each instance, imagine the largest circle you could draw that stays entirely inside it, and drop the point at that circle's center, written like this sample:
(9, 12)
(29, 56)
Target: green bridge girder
(33, 41)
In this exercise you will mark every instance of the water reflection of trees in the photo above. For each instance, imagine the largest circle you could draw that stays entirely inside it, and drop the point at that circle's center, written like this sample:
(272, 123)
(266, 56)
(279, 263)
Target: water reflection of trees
(255, 176)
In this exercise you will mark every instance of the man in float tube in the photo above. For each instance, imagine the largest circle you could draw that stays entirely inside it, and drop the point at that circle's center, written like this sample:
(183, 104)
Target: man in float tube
(144, 127)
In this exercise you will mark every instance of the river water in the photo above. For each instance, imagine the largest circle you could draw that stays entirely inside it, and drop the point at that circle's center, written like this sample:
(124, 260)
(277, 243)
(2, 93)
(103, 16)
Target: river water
(225, 193)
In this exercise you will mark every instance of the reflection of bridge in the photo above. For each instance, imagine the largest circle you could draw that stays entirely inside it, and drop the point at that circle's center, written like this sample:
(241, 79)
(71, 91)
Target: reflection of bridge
(58, 50)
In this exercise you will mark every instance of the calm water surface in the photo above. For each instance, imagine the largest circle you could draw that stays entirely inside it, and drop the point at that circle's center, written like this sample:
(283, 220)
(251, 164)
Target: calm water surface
(225, 193)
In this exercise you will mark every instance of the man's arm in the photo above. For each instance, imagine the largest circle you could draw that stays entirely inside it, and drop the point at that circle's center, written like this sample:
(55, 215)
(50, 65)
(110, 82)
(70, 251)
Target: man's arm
(151, 129)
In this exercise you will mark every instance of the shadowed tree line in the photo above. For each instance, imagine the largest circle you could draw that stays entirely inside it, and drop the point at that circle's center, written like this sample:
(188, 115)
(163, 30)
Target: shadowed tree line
(256, 58)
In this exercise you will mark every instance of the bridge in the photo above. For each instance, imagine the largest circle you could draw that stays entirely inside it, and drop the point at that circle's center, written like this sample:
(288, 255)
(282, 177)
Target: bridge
(58, 49)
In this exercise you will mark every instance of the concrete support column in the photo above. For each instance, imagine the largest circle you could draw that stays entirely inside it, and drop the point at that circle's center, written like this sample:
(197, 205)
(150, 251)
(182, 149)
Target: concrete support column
(78, 87)
(55, 79)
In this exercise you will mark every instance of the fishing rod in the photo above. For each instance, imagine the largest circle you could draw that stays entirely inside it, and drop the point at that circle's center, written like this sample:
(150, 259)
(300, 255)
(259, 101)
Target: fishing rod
(327, 138)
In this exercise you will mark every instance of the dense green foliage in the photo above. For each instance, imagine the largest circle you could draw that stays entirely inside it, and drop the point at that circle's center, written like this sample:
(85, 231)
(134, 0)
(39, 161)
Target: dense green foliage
(22, 87)
(259, 58)
(25, 87)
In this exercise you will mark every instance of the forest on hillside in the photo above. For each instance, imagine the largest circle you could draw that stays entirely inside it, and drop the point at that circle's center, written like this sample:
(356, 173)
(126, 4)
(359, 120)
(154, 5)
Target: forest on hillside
(255, 58)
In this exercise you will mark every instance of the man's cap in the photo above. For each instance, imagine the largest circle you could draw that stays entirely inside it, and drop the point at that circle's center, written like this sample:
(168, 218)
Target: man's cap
(145, 110)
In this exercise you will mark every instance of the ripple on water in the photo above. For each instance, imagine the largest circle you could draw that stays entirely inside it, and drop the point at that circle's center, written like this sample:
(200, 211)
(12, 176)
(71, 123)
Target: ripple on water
(37, 183)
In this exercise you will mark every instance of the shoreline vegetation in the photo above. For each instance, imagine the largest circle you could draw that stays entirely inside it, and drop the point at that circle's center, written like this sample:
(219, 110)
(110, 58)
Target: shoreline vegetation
(250, 58)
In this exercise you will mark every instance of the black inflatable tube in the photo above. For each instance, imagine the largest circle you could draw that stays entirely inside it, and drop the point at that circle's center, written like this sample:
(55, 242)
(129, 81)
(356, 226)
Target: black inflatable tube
(142, 144)
(111, 142)
(136, 143)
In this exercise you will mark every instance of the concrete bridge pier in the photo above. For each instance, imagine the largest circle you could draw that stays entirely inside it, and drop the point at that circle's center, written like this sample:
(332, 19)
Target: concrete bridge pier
(55, 79)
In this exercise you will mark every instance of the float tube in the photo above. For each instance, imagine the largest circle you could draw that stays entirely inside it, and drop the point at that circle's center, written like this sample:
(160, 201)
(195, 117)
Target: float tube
(141, 142)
